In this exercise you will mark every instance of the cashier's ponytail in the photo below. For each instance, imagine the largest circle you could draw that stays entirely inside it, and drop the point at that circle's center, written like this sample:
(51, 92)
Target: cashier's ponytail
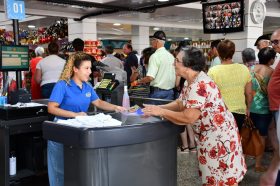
(75, 60)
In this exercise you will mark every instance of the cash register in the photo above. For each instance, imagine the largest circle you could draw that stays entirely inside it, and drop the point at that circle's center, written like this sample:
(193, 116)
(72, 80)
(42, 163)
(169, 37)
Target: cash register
(20, 106)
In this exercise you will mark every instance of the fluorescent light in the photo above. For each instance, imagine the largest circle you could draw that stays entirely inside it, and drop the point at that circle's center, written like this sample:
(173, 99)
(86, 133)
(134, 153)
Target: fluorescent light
(163, 0)
(155, 28)
(169, 39)
(186, 38)
(116, 24)
(31, 26)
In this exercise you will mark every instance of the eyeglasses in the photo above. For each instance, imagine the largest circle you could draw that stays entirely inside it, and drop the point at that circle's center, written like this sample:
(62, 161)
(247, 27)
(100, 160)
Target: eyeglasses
(275, 41)
(177, 60)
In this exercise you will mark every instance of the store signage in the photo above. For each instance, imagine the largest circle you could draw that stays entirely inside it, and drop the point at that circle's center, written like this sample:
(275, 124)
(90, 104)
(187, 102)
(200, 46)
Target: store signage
(15, 9)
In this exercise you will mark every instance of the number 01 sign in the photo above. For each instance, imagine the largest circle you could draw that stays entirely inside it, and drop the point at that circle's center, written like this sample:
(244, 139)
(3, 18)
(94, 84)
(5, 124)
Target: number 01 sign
(15, 9)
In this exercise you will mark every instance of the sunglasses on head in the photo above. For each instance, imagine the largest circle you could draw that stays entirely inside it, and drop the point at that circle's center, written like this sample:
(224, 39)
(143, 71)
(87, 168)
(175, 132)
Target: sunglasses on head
(275, 41)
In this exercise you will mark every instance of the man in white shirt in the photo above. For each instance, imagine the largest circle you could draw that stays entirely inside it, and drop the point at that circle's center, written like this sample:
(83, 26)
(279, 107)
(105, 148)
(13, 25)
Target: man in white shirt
(48, 70)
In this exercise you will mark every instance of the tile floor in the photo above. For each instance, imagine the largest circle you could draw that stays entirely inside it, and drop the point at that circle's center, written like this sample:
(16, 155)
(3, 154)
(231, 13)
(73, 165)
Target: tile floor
(187, 170)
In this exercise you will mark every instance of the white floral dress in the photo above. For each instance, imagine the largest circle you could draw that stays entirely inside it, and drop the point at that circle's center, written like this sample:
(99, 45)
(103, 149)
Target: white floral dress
(220, 156)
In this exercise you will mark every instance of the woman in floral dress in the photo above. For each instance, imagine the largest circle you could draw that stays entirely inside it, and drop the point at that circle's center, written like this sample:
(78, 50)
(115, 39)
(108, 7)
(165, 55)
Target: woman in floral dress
(200, 104)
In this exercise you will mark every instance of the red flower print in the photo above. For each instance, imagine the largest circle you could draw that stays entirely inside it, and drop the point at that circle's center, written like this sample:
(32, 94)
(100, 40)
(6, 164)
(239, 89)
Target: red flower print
(205, 114)
(202, 89)
(219, 119)
(221, 150)
(222, 166)
(202, 160)
(201, 92)
(211, 180)
(232, 158)
(212, 153)
(221, 108)
(191, 102)
(209, 105)
(232, 146)
(221, 183)
(231, 181)
(219, 94)
(212, 84)
(202, 85)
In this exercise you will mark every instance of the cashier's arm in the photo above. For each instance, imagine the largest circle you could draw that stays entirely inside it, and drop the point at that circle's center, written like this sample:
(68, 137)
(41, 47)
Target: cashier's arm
(53, 108)
(107, 106)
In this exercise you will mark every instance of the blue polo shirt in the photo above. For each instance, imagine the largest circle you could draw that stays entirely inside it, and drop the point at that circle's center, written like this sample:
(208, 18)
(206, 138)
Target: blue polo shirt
(71, 97)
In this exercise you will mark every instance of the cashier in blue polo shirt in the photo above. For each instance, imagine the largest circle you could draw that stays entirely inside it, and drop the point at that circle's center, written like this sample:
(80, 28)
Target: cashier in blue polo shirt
(71, 97)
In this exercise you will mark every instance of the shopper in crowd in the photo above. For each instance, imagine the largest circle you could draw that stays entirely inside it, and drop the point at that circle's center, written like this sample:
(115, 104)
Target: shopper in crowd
(237, 91)
(260, 113)
(141, 71)
(71, 97)
(78, 45)
(262, 42)
(114, 65)
(161, 73)
(49, 69)
(273, 89)
(249, 57)
(35, 87)
(200, 104)
(130, 61)
(214, 52)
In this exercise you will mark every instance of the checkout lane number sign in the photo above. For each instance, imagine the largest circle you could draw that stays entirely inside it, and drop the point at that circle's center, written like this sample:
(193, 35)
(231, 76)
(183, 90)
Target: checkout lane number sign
(15, 9)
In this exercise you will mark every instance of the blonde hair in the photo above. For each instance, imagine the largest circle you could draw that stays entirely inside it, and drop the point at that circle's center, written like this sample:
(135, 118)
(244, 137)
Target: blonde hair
(74, 60)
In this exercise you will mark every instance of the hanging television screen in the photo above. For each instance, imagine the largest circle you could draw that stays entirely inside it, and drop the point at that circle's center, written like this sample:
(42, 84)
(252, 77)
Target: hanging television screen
(223, 17)
(14, 58)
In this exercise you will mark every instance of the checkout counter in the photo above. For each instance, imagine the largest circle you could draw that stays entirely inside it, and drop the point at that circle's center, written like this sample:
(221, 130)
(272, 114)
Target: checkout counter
(21, 133)
(142, 151)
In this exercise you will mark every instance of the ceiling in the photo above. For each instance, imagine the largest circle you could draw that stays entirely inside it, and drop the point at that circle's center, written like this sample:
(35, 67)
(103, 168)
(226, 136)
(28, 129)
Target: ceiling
(182, 19)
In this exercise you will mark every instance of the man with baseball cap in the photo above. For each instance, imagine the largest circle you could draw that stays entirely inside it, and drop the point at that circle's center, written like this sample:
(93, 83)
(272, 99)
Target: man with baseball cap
(161, 72)
(262, 42)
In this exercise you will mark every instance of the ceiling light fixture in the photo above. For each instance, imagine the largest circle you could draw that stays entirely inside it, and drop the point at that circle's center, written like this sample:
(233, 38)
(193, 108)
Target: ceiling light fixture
(31, 26)
(186, 38)
(169, 39)
(155, 28)
(163, 0)
(117, 24)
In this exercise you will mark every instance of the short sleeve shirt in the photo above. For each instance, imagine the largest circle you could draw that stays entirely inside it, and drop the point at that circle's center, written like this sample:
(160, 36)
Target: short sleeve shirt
(231, 80)
(71, 97)
(161, 68)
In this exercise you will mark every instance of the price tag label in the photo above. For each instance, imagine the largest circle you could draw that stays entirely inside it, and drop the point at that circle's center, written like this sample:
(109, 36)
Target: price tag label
(15, 9)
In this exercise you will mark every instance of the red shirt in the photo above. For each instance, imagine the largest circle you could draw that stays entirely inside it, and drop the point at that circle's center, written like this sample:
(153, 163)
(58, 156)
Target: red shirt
(35, 87)
(274, 89)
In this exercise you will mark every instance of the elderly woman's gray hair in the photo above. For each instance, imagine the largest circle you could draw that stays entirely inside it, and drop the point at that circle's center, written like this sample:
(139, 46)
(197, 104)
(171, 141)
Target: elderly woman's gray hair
(39, 51)
(193, 58)
(248, 55)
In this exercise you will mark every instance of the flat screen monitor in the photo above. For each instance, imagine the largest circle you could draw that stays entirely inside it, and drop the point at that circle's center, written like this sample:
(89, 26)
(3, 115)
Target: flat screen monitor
(223, 17)
(14, 57)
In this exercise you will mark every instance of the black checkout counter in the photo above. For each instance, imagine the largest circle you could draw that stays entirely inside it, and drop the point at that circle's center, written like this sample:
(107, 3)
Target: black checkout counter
(141, 152)
(21, 133)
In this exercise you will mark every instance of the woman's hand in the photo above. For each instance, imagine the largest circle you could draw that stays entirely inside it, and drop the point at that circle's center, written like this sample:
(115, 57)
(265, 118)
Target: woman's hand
(120, 109)
(153, 110)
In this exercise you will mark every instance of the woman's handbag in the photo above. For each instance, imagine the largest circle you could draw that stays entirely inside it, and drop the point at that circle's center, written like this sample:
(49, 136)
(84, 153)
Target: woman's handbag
(251, 139)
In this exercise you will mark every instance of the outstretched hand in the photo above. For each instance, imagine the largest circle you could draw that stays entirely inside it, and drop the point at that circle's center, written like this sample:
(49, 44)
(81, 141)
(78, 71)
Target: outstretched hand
(120, 109)
(152, 110)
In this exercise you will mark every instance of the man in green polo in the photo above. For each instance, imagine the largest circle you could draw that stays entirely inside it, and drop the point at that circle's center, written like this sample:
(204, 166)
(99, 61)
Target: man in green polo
(161, 72)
